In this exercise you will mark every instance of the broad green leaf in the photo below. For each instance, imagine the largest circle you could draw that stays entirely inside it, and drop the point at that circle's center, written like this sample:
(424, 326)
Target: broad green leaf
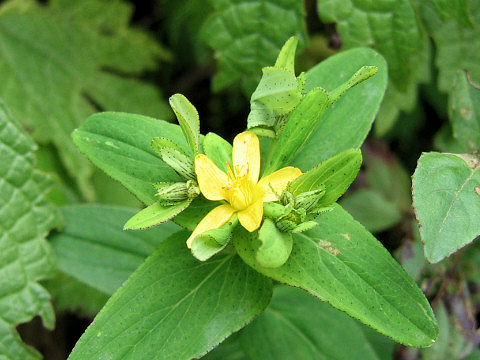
(95, 250)
(175, 307)
(372, 210)
(218, 150)
(392, 29)
(341, 263)
(247, 36)
(346, 124)
(297, 326)
(457, 9)
(446, 198)
(26, 217)
(335, 174)
(52, 71)
(299, 127)
(464, 111)
(188, 119)
(276, 245)
(120, 145)
(457, 46)
(155, 214)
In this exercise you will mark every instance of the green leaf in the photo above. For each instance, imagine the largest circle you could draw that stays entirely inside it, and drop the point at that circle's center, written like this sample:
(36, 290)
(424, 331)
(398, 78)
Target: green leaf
(26, 216)
(155, 214)
(464, 112)
(145, 319)
(230, 349)
(456, 9)
(218, 150)
(346, 124)
(276, 245)
(335, 174)
(52, 89)
(188, 119)
(457, 46)
(343, 264)
(95, 250)
(297, 326)
(446, 198)
(286, 57)
(247, 36)
(372, 210)
(174, 156)
(392, 29)
(299, 127)
(120, 145)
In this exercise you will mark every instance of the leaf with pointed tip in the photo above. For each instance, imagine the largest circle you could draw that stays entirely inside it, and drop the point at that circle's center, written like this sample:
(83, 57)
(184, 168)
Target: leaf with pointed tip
(155, 214)
(346, 124)
(286, 57)
(343, 264)
(446, 198)
(146, 319)
(188, 119)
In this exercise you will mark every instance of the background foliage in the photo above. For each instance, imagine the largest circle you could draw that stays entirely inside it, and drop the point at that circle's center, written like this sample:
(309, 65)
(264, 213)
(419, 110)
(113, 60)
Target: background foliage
(61, 61)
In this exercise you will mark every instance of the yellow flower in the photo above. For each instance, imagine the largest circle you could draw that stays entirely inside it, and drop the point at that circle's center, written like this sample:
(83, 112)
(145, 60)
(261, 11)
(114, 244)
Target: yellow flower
(239, 187)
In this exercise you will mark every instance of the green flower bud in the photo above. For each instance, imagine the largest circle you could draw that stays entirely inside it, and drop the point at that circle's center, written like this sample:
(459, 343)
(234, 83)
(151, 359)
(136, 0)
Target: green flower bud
(173, 155)
(171, 193)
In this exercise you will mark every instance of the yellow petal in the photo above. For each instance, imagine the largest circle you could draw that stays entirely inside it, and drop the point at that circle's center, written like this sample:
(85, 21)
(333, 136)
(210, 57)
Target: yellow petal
(213, 220)
(251, 217)
(211, 179)
(279, 181)
(246, 155)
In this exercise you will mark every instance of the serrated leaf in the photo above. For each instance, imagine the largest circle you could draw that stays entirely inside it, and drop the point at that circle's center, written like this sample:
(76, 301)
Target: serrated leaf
(26, 216)
(188, 119)
(95, 250)
(464, 112)
(392, 29)
(343, 264)
(372, 210)
(276, 245)
(211, 300)
(346, 124)
(335, 174)
(446, 198)
(247, 35)
(297, 326)
(49, 86)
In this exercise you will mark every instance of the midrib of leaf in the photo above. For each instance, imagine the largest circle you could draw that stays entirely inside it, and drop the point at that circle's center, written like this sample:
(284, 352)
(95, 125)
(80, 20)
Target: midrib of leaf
(363, 280)
(457, 194)
(193, 291)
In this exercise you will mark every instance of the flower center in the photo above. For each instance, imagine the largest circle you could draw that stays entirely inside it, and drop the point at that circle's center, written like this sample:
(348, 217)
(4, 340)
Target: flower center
(240, 192)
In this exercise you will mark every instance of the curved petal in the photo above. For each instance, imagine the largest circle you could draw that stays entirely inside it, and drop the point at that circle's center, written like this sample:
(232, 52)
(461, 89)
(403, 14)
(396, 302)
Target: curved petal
(246, 155)
(211, 179)
(251, 217)
(279, 181)
(213, 220)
